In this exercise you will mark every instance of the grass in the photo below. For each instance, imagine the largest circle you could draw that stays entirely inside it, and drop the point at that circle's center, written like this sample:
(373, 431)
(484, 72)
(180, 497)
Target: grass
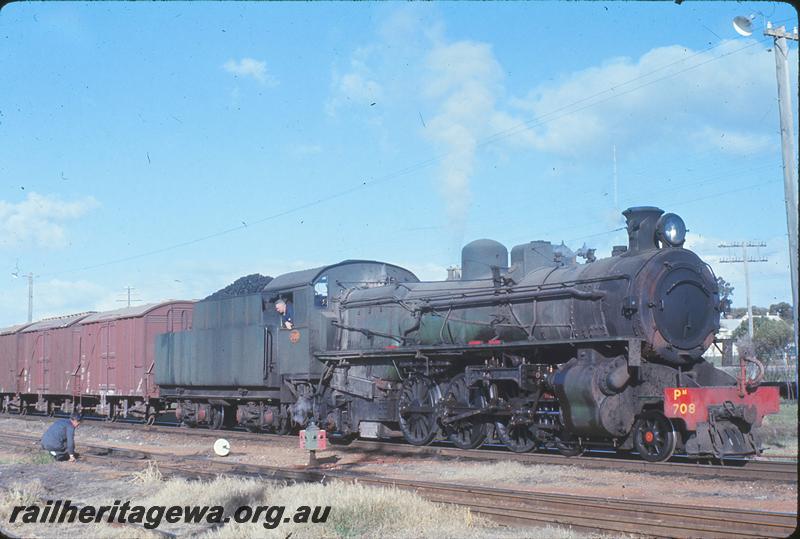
(356, 511)
(148, 476)
(33, 493)
(35, 458)
(779, 431)
(18, 494)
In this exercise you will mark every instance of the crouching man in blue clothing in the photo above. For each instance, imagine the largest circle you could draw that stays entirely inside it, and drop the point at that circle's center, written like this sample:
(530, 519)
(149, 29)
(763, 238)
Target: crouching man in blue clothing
(59, 439)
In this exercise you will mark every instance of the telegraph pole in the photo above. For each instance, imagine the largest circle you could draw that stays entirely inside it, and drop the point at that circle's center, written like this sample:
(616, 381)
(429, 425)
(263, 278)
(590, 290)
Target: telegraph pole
(745, 260)
(16, 275)
(30, 297)
(616, 201)
(128, 289)
(780, 35)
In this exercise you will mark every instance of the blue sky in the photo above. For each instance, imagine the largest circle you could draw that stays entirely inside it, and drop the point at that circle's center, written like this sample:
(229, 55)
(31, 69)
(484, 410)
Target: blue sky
(174, 147)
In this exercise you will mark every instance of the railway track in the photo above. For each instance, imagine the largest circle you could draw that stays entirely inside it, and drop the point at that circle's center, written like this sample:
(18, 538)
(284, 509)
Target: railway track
(732, 469)
(516, 508)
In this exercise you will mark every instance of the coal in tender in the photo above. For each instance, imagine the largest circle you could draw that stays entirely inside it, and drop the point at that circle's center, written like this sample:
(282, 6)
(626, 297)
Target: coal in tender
(249, 284)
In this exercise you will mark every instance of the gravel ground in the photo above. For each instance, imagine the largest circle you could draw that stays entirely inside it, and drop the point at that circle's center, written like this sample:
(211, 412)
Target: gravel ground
(356, 511)
(540, 478)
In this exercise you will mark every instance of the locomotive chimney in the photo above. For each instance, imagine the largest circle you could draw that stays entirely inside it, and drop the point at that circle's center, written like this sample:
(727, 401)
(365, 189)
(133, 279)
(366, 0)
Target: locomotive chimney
(641, 223)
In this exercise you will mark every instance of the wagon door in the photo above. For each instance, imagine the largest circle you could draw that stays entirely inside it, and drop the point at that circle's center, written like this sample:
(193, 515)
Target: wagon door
(74, 378)
(108, 358)
(27, 361)
(42, 354)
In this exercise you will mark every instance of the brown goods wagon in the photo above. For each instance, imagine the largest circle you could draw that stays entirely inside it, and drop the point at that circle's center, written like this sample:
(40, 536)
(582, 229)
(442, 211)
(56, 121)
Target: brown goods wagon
(47, 359)
(9, 344)
(118, 354)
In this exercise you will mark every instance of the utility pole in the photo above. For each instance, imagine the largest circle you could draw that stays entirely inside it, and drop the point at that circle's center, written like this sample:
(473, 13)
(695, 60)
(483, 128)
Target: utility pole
(780, 35)
(128, 289)
(745, 260)
(616, 201)
(30, 297)
(16, 274)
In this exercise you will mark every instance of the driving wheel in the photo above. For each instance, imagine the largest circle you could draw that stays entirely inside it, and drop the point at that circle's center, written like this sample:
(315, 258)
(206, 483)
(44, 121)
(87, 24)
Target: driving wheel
(417, 409)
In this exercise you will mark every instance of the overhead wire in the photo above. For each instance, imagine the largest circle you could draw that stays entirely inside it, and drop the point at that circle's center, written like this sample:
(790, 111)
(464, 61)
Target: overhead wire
(527, 125)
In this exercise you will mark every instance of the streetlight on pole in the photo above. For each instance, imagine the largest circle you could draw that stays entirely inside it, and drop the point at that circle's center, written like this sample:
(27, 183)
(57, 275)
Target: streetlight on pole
(744, 27)
(16, 275)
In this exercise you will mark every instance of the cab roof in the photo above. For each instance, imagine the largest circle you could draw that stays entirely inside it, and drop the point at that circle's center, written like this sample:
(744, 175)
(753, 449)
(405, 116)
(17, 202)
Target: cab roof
(307, 277)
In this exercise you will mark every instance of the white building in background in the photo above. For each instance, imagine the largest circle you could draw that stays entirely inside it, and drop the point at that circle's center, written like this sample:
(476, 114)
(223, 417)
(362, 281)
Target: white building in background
(726, 328)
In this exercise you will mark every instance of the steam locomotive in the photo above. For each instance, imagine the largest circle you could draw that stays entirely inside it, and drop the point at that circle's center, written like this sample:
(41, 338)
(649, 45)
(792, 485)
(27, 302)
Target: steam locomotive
(537, 351)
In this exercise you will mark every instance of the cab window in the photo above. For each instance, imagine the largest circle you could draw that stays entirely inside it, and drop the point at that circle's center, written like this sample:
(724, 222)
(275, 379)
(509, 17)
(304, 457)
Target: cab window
(321, 292)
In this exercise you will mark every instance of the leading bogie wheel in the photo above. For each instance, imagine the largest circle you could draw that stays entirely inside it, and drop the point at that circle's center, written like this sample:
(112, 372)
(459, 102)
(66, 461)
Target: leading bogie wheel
(518, 438)
(570, 448)
(417, 411)
(654, 436)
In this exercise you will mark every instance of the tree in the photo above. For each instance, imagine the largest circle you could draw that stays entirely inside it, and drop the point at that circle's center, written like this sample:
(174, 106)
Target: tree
(725, 296)
(782, 309)
(738, 312)
(770, 337)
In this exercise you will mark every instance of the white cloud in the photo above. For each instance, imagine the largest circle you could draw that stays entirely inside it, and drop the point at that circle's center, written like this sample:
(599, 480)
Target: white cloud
(464, 80)
(669, 94)
(249, 67)
(38, 219)
(355, 87)
(731, 141)
(669, 97)
(53, 297)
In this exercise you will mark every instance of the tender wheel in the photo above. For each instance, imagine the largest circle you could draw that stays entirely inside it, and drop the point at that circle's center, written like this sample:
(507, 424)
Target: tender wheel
(469, 432)
(284, 425)
(217, 418)
(417, 410)
(518, 438)
(654, 437)
(112, 413)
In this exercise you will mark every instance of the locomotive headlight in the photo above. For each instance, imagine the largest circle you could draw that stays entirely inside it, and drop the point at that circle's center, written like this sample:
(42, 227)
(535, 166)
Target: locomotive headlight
(671, 230)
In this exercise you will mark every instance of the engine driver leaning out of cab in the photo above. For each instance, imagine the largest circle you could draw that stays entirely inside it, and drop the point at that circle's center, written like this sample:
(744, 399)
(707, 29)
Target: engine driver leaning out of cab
(284, 308)
(59, 439)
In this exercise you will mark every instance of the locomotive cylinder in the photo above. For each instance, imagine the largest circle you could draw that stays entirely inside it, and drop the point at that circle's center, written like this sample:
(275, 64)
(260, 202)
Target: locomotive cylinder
(593, 394)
